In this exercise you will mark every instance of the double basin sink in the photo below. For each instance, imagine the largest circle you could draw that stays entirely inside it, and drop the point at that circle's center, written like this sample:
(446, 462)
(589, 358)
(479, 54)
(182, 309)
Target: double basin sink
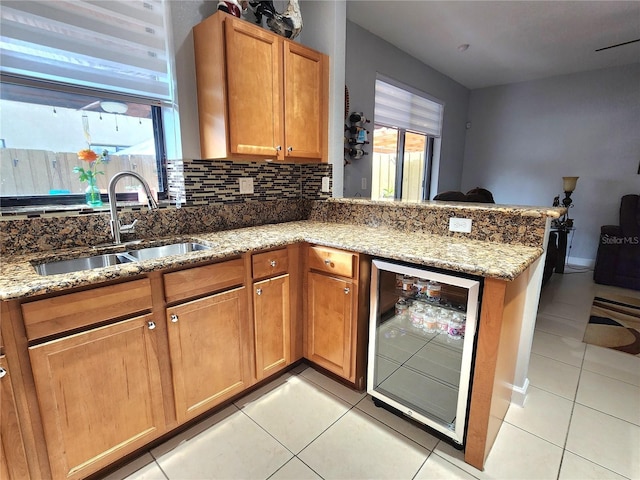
(109, 259)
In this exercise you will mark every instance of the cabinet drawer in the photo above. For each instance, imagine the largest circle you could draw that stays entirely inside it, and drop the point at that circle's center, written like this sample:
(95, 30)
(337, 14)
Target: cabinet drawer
(270, 263)
(202, 280)
(333, 261)
(76, 310)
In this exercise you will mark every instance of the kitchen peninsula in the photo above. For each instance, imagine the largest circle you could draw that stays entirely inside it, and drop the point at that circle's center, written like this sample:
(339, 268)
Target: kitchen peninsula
(335, 237)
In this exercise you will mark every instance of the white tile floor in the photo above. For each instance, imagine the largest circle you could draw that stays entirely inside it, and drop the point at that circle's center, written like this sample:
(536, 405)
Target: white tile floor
(581, 420)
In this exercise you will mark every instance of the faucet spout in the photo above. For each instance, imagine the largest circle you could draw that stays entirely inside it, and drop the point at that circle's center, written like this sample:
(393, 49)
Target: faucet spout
(116, 226)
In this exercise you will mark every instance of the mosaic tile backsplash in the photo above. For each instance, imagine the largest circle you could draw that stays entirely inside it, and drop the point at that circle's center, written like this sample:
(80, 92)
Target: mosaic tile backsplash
(216, 181)
(211, 199)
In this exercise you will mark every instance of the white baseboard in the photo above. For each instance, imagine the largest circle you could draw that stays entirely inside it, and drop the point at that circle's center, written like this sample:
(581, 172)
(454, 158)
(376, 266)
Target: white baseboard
(580, 262)
(519, 394)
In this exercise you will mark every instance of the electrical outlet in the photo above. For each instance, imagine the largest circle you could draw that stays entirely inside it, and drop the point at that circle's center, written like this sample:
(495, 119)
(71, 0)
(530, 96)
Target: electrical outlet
(460, 225)
(246, 185)
(325, 185)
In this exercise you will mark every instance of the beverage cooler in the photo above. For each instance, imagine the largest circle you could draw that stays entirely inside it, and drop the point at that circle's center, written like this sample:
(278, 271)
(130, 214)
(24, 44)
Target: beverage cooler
(421, 344)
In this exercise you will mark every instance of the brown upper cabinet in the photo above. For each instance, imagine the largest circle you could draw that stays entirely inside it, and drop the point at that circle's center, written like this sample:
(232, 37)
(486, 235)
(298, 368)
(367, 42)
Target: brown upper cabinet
(260, 96)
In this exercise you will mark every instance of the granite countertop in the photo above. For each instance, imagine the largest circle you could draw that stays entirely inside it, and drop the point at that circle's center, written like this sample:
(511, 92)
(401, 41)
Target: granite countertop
(522, 210)
(19, 279)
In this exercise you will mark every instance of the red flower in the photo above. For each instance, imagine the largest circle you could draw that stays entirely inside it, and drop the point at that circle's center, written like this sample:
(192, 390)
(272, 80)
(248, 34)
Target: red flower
(87, 155)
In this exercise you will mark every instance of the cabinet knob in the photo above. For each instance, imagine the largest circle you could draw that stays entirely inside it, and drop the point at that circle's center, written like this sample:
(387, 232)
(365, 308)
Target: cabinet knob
(289, 149)
(174, 318)
(3, 372)
(258, 291)
(346, 291)
(327, 261)
(151, 325)
(273, 263)
(278, 148)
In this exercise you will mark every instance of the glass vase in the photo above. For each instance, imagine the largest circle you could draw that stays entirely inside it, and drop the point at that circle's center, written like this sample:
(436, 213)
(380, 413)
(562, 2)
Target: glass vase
(92, 195)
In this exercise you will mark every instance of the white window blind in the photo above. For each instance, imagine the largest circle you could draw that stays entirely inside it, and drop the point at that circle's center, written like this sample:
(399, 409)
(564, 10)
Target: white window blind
(397, 107)
(119, 46)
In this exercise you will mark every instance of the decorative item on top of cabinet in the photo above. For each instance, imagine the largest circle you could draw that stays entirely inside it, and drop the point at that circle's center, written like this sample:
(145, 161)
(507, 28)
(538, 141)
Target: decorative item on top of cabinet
(288, 23)
(233, 7)
(260, 96)
(337, 312)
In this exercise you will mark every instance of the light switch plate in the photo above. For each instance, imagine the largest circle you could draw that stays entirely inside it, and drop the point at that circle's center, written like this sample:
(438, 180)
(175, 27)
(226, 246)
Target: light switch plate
(325, 184)
(246, 185)
(460, 225)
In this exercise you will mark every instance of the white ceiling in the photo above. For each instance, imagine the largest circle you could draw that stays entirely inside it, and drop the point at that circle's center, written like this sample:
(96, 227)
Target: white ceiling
(510, 41)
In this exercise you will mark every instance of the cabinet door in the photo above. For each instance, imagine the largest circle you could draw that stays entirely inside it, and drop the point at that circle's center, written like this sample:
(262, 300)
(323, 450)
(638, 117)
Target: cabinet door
(210, 351)
(271, 313)
(13, 462)
(99, 394)
(330, 323)
(254, 86)
(305, 91)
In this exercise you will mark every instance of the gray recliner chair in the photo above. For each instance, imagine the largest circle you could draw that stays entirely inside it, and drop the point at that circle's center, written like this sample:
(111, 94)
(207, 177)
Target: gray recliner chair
(618, 259)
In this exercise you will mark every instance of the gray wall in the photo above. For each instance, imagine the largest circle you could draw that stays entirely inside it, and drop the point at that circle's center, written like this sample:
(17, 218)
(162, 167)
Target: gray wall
(325, 30)
(366, 55)
(185, 14)
(525, 137)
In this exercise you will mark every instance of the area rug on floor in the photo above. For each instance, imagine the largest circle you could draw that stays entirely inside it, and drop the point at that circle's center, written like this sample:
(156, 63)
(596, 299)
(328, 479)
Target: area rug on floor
(615, 323)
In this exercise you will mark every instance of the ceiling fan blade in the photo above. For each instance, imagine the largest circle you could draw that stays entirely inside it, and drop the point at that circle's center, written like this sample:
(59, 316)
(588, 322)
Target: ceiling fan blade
(618, 45)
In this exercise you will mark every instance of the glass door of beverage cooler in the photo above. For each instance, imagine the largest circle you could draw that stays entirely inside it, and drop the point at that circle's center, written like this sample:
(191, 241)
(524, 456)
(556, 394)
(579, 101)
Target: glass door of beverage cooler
(421, 337)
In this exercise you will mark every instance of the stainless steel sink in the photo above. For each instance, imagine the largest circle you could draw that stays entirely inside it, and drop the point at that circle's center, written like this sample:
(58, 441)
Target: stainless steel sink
(106, 260)
(166, 250)
(84, 263)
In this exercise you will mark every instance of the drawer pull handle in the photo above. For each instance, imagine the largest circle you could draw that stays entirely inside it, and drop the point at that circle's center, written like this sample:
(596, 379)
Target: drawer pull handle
(3, 372)
(258, 291)
(289, 149)
(151, 325)
(273, 263)
(174, 318)
(278, 148)
(346, 291)
(327, 261)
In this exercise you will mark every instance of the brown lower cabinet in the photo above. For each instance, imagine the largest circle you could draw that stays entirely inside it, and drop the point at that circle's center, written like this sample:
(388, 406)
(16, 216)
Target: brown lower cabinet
(337, 311)
(330, 323)
(210, 351)
(99, 395)
(271, 307)
(106, 370)
(13, 460)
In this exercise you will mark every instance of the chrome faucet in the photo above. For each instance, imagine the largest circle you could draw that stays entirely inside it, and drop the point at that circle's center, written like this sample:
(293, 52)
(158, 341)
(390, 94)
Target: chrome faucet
(116, 226)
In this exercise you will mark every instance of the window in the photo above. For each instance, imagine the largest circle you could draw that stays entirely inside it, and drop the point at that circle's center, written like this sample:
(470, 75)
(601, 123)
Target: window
(407, 123)
(76, 75)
